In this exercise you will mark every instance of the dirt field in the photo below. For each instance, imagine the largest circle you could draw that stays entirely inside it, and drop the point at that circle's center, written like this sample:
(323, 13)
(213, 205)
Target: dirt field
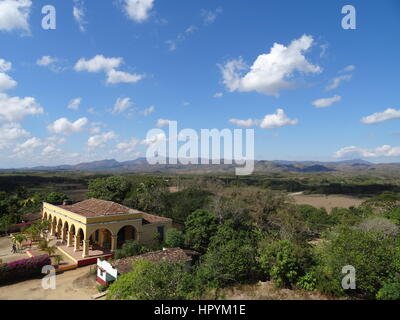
(267, 291)
(327, 202)
(70, 285)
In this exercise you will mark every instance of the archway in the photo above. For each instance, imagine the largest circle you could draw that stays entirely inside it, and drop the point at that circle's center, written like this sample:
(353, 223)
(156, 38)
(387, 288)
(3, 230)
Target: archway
(100, 239)
(126, 233)
(59, 228)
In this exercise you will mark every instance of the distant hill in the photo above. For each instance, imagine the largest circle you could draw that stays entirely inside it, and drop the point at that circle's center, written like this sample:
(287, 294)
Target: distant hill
(141, 165)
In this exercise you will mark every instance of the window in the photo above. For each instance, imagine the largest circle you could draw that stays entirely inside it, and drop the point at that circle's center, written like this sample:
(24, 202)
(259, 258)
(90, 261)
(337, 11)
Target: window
(161, 233)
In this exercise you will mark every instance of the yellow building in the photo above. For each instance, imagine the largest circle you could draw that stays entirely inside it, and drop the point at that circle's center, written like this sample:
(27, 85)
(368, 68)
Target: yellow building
(95, 224)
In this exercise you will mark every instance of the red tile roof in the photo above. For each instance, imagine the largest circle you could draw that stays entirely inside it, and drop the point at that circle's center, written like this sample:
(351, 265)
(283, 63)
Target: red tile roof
(167, 255)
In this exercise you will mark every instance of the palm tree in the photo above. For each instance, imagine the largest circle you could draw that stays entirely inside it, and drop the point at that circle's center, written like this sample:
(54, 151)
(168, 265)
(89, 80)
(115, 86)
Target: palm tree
(18, 239)
(44, 246)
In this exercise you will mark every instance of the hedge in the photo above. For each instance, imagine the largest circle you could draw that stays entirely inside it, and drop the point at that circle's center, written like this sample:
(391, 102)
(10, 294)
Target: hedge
(23, 269)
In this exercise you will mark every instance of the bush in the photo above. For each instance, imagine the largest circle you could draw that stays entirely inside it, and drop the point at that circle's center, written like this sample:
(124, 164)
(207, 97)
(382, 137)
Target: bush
(129, 248)
(390, 290)
(152, 281)
(372, 254)
(174, 239)
(23, 269)
(284, 262)
(307, 282)
(200, 226)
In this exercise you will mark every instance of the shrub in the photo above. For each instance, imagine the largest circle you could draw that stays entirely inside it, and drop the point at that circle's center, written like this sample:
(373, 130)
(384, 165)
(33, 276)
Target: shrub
(390, 290)
(23, 269)
(200, 226)
(174, 239)
(284, 261)
(307, 282)
(129, 248)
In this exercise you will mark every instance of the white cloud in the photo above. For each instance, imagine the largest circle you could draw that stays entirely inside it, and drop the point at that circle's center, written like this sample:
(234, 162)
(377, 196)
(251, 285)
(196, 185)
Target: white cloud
(171, 45)
(74, 104)
(100, 141)
(45, 61)
(65, 127)
(27, 147)
(270, 72)
(377, 117)
(218, 95)
(326, 102)
(6, 82)
(149, 110)
(128, 146)
(270, 121)
(78, 12)
(138, 10)
(353, 152)
(349, 68)
(244, 123)
(15, 109)
(14, 15)
(10, 132)
(114, 76)
(162, 123)
(185, 103)
(337, 81)
(97, 64)
(276, 120)
(5, 65)
(121, 105)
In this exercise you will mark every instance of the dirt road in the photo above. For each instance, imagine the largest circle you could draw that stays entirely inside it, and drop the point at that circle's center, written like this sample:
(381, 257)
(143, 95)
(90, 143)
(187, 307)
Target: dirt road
(70, 285)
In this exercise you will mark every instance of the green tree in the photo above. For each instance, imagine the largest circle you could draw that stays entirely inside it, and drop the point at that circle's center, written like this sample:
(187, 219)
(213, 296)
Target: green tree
(55, 198)
(200, 226)
(114, 188)
(284, 262)
(151, 281)
(129, 248)
(174, 239)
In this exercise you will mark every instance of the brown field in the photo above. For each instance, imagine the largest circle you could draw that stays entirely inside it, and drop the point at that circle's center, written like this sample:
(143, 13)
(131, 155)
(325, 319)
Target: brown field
(328, 202)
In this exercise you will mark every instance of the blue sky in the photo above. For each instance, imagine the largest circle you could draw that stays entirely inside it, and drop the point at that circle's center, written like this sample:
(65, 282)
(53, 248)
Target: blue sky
(268, 65)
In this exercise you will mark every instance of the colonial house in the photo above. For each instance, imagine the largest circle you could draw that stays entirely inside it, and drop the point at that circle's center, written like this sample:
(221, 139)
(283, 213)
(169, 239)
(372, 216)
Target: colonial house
(108, 272)
(96, 226)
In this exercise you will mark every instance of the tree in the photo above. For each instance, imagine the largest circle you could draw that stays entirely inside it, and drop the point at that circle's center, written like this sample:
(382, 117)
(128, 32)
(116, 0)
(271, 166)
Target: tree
(390, 289)
(5, 223)
(284, 262)
(174, 239)
(19, 239)
(317, 220)
(44, 245)
(200, 226)
(55, 198)
(114, 188)
(129, 248)
(372, 254)
(231, 257)
(151, 281)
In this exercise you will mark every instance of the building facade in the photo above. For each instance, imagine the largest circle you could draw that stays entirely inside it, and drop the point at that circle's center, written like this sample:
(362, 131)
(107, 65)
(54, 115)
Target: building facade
(95, 223)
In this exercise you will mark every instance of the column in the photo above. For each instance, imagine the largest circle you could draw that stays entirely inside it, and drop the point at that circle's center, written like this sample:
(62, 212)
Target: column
(64, 235)
(85, 248)
(52, 229)
(114, 243)
(69, 239)
(101, 238)
(77, 243)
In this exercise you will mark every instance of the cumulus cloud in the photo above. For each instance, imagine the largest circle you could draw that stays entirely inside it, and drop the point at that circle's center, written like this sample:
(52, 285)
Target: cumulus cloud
(270, 121)
(138, 10)
(121, 105)
(270, 73)
(10, 132)
(162, 123)
(337, 81)
(128, 146)
(78, 12)
(28, 147)
(45, 61)
(14, 15)
(388, 114)
(154, 139)
(114, 77)
(6, 82)
(65, 127)
(326, 102)
(97, 64)
(353, 152)
(15, 109)
(100, 141)
(74, 104)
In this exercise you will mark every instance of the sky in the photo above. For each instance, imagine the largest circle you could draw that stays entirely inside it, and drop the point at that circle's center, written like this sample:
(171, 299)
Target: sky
(110, 71)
